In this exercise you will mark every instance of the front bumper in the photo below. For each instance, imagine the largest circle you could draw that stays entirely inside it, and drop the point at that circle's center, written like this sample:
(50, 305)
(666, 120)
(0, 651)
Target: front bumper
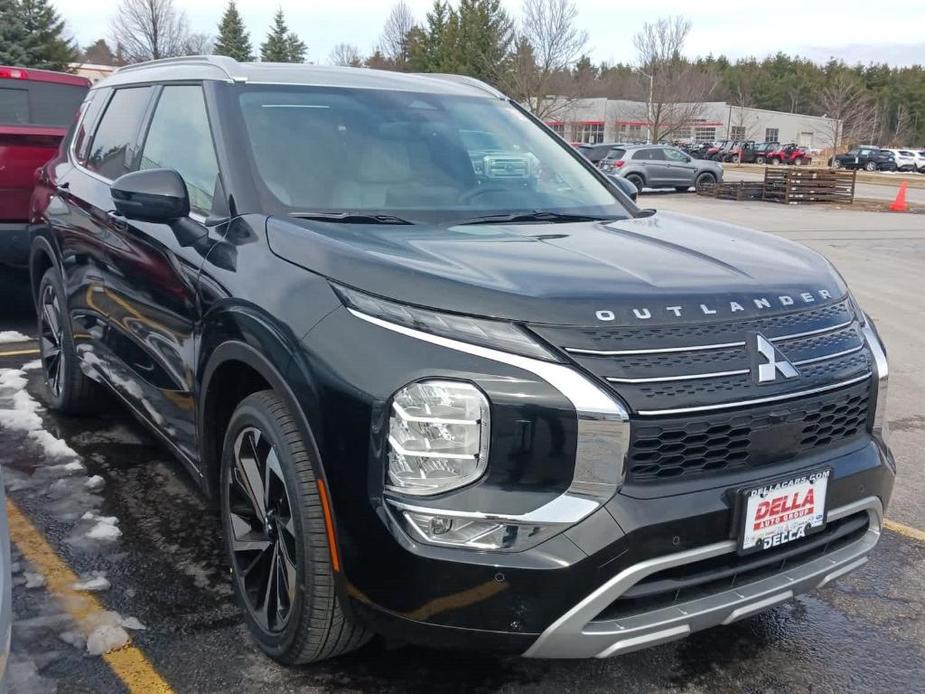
(578, 634)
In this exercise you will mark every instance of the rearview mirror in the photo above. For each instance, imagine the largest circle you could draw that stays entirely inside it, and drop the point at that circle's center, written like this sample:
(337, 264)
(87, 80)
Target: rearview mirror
(152, 195)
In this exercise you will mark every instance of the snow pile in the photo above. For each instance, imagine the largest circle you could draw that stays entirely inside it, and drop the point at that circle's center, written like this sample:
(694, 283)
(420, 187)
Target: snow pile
(10, 336)
(22, 415)
(33, 365)
(95, 483)
(108, 632)
(104, 527)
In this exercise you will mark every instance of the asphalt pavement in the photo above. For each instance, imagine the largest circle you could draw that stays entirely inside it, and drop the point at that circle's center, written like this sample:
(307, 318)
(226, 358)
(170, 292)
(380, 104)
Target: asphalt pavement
(165, 565)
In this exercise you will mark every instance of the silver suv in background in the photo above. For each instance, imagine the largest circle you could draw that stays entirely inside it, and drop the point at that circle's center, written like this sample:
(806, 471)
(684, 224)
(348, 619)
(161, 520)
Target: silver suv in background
(660, 166)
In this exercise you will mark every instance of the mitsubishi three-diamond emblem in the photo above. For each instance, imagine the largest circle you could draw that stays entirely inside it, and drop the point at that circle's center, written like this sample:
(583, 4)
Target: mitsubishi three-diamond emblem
(768, 364)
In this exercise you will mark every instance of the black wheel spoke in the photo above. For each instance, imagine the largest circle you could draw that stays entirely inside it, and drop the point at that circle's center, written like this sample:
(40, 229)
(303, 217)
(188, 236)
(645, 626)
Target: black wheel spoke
(262, 533)
(51, 339)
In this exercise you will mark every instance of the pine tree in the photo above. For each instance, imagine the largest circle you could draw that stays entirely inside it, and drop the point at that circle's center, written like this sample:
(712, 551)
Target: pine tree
(12, 34)
(45, 45)
(233, 39)
(282, 45)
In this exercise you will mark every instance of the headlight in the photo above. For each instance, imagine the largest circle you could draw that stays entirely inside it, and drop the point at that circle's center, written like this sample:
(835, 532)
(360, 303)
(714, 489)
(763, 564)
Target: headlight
(477, 331)
(438, 437)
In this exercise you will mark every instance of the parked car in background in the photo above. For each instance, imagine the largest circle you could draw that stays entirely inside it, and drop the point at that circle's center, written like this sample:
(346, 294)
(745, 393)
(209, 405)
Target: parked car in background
(36, 109)
(865, 157)
(725, 150)
(920, 161)
(596, 152)
(736, 153)
(791, 153)
(660, 166)
(759, 153)
(904, 158)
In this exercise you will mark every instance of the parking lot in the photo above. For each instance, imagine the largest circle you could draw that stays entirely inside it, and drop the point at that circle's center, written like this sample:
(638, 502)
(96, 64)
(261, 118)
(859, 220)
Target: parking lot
(110, 505)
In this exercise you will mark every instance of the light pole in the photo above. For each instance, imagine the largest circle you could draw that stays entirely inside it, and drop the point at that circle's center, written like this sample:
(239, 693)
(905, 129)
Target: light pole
(649, 107)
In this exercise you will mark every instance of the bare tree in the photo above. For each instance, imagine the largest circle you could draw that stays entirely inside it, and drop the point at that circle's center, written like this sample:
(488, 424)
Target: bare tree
(674, 88)
(547, 46)
(346, 55)
(394, 40)
(844, 102)
(198, 44)
(149, 29)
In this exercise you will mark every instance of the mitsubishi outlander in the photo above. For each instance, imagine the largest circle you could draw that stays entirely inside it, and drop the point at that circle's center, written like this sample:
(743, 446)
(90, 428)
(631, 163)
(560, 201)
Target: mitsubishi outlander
(445, 382)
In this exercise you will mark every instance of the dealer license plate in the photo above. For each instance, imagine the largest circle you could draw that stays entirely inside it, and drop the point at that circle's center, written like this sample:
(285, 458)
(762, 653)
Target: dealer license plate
(782, 511)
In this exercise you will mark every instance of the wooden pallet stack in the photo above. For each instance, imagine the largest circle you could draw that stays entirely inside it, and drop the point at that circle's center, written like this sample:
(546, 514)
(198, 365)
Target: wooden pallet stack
(799, 186)
(738, 190)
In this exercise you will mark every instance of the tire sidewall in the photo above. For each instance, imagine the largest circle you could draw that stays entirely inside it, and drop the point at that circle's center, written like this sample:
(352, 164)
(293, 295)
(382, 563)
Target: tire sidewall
(636, 180)
(704, 178)
(249, 414)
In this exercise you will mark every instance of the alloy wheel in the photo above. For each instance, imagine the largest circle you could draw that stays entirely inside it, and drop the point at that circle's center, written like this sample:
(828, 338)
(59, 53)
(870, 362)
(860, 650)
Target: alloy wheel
(262, 531)
(51, 339)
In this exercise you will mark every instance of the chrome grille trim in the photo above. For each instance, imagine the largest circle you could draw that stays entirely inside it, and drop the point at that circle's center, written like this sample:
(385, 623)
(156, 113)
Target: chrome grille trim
(755, 401)
(827, 357)
(810, 333)
(686, 377)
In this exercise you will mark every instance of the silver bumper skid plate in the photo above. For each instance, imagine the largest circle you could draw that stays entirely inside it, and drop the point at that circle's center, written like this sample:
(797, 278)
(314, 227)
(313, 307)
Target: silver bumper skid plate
(577, 634)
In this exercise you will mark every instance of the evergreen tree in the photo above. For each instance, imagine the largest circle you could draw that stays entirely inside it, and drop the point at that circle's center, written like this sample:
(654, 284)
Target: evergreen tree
(282, 45)
(233, 39)
(99, 53)
(45, 45)
(12, 35)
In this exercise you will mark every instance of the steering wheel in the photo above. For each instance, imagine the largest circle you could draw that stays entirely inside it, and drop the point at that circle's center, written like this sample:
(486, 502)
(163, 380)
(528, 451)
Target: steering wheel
(478, 190)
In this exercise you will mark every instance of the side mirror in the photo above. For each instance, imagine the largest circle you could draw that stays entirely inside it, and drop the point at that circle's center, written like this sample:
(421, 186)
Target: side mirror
(152, 195)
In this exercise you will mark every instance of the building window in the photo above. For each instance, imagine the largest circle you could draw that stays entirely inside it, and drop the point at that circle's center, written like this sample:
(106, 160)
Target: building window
(630, 132)
(704, 134)
(771, 135)
(558, 127)
(588, 133)
(737, 132)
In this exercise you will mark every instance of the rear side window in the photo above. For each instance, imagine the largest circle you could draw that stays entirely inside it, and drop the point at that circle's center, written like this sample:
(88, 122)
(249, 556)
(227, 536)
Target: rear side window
(615, 154)
(649, 155)
(179, 138)
(14, 106)
(112, 152)
(54, 104)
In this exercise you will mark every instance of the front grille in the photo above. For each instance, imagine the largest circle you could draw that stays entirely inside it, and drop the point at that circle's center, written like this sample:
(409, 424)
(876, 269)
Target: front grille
(710, 576)
(662, 369)
(696, 405)
(664, 449)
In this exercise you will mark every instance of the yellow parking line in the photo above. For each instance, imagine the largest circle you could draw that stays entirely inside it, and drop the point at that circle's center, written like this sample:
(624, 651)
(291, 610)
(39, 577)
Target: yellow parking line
(20, 352)
(905, 530)
(128, 663)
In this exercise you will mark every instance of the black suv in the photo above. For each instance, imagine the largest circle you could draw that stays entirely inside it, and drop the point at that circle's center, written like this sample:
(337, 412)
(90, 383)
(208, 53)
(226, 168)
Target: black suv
(867, 158)
(454, 399)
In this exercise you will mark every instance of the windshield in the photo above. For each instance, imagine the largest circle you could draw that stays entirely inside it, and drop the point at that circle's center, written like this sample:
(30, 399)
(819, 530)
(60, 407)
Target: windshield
(420, 157)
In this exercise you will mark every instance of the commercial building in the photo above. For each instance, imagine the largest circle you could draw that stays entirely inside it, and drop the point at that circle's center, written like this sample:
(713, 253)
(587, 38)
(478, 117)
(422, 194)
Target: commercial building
(619, 120)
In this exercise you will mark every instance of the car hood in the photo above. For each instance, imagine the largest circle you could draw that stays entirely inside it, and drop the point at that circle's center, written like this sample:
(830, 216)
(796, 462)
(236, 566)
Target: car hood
(663, 269)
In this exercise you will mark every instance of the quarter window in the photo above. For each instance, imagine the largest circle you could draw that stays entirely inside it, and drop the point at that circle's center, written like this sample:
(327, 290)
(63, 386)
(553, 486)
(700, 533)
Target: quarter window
(113, 150)
(92, 107)
(179, 138)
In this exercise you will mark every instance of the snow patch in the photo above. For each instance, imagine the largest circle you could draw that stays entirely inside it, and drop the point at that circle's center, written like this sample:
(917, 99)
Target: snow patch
(54, 447)
(34, 580)
(9, 336)
(95, 584)
(95, 483)
(106, 638)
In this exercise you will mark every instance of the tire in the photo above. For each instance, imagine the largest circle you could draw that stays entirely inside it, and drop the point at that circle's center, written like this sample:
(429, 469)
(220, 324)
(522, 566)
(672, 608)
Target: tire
(773, 161)
(636, 180)
(759, 160)
(705, 178)
(289, 542)
(870, 166)
(68, 389)
(837, 164)
(798, 161)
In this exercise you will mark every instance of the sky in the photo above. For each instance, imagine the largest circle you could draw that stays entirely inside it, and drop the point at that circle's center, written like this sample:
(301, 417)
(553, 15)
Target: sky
(816, 29)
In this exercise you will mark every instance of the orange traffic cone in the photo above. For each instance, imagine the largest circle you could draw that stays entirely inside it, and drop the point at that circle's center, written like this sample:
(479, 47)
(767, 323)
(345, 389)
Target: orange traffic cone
(899, 204)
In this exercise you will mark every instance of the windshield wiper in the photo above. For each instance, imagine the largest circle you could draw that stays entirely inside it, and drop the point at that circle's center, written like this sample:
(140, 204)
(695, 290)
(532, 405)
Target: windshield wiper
(350, 217)
(535, 216)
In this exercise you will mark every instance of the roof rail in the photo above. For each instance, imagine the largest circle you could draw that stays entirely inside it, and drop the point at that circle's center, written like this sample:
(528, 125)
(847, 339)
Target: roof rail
(464, 79)
(221, 62)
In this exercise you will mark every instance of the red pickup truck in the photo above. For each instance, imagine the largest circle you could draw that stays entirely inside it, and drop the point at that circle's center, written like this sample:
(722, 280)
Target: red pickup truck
(36, 109)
